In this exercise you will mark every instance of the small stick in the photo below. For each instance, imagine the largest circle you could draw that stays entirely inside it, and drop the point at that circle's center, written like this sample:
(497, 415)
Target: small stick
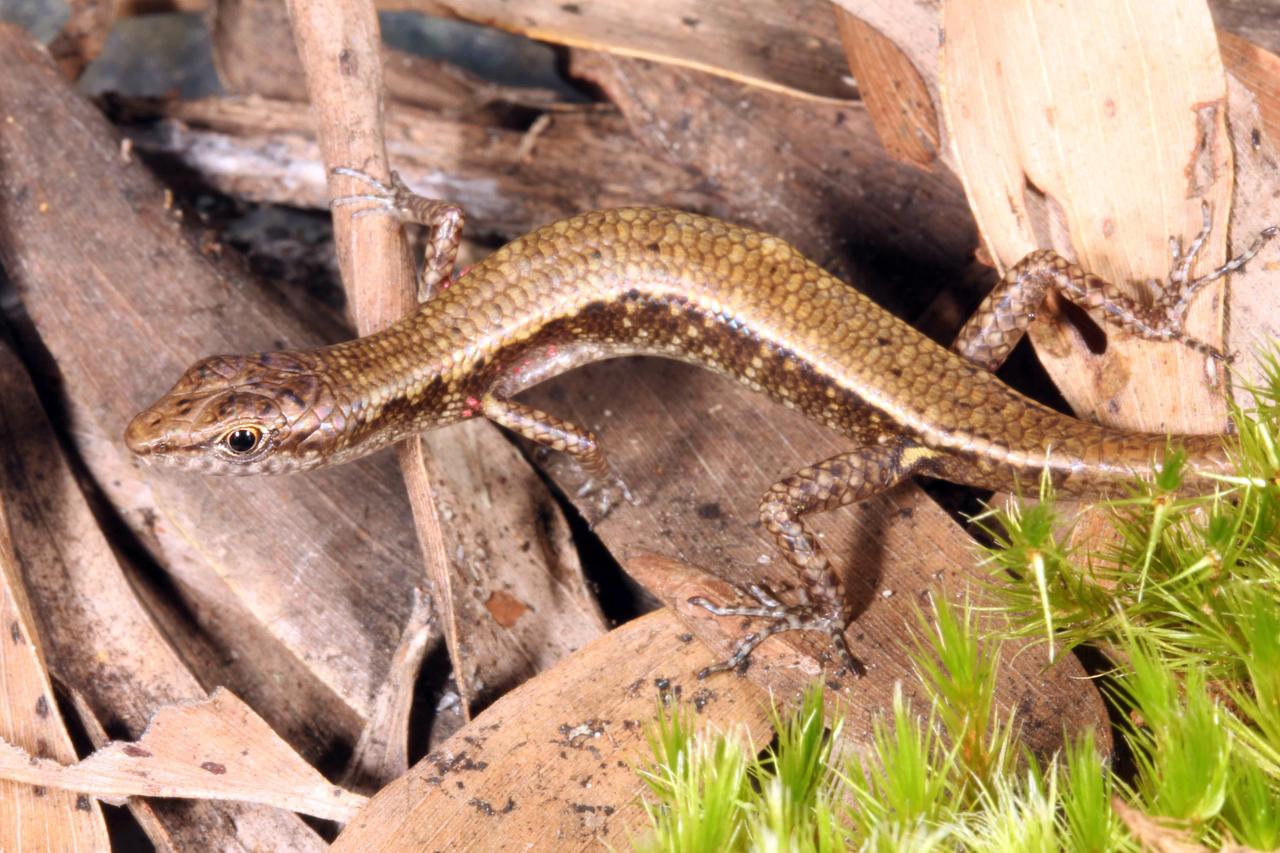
(340, 47)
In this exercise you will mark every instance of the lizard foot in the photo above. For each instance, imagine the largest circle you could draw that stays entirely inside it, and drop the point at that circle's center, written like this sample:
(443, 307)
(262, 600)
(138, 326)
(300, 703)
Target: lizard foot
(395, 197)
(608, 494)
(1169, 312)
(443, 218)
(779, 618)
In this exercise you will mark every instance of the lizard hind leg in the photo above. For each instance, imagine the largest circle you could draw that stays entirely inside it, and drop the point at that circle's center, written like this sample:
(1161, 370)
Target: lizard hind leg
(1007, 312)
(835, 482)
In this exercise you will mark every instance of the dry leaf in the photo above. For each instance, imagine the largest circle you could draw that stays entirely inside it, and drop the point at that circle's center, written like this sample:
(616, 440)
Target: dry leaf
(551, 765)
(895, 94)
(1258, 69)
(787, 47)
(34, 818)
(1115, 154)
(217, 749)
(382, 753)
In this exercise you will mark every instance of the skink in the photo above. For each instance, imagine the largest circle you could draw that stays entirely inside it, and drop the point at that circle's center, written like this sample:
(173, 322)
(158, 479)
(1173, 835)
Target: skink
(666, 283)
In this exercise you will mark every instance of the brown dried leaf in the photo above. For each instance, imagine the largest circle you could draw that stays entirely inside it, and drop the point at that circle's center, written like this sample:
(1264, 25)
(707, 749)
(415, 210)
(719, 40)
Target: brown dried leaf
(83, 34)
(1254, 311)
(516, 589)
(382, 752)
(1116, 154)
(216, 749)
(34, 818)
(551, 765)
(896, 96)
(1255, 20)
(790, 47)
(913, 28)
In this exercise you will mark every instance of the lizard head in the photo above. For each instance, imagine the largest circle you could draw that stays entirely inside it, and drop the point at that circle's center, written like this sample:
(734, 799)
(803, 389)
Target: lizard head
(257, 414)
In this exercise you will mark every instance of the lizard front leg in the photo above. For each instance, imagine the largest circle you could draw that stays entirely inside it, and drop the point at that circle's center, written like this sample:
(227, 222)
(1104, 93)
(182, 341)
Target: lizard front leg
(443, 219)
(840, 480)
(548, 431)
(557, 434)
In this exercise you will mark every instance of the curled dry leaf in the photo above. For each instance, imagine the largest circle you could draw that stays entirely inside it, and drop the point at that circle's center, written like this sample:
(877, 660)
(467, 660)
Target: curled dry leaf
(1104, 159)
(216, 749)
(382, 752)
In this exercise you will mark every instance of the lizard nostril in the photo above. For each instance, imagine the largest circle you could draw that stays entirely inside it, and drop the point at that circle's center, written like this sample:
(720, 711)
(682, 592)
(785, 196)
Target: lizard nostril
(139, 435)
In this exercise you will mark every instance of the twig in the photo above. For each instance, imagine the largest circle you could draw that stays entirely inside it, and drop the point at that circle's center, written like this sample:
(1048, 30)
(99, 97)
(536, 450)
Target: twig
(338, 42)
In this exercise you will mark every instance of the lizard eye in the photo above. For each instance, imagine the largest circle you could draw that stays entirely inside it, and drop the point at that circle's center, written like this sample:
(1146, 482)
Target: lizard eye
(242, 440)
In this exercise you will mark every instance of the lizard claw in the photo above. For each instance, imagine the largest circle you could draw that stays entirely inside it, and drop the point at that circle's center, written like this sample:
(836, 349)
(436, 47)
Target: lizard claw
(609, 494)
(395, 197)
(1180, 288)
(778, 618)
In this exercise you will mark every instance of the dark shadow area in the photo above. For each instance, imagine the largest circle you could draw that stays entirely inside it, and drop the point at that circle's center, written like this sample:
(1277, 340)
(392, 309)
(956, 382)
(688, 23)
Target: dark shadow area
(501, 57)
(620, 597)
(434, 696)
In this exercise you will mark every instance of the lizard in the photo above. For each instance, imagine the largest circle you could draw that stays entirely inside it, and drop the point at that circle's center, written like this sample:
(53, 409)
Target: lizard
(659, 282)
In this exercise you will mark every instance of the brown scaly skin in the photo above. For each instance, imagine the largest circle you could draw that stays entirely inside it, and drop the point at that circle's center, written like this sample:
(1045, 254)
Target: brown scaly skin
(742, 303)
